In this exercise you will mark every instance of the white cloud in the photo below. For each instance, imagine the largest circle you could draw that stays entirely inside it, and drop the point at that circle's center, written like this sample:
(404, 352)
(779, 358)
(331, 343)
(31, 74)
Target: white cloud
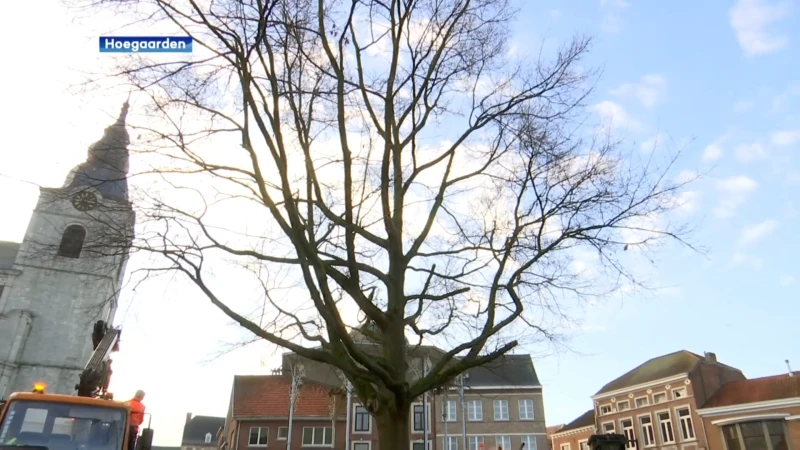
(649, 91)
(685, 176)
(754, 233)
(787, 280)
(654, 143)
(786, 137)
(747, 153)
(713, 151)
(742, 106)
(740, 259)
(734, 192)
(614, 115)
(779, 101)
(620, 4)
(751, 20)
(611, 24)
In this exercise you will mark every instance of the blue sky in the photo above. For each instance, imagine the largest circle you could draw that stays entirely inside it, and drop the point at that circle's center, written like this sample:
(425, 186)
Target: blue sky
(721, 79)
(716, 78)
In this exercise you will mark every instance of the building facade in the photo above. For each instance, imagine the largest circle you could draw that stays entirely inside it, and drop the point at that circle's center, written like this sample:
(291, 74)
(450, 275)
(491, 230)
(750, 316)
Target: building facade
(575, 435)
(201, 432)
(756, 414)
(58, 281)
(502, 408)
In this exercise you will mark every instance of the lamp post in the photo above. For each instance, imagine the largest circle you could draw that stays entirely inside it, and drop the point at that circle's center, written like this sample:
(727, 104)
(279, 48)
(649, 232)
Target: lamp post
(297, 379)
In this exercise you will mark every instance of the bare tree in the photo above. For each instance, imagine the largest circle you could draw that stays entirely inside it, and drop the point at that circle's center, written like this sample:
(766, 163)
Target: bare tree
(392, 161)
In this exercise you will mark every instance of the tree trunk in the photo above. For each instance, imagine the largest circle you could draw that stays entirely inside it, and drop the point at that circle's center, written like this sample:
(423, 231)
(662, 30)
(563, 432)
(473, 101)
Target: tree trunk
(394, 429)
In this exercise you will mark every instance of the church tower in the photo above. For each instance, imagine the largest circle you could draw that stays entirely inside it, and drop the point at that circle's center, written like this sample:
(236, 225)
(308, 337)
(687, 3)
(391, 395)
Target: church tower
(67, 272)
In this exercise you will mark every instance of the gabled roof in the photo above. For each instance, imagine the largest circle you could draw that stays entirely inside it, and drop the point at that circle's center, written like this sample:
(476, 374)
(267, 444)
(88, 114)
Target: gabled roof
(507, 370)
(196, 429)
(268, 396)
(553, 429)
(763, 389)
(584, 420)
(665, 366)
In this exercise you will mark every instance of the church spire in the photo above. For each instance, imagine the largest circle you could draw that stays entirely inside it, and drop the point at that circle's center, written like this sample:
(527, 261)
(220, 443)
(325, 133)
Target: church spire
(106, 165)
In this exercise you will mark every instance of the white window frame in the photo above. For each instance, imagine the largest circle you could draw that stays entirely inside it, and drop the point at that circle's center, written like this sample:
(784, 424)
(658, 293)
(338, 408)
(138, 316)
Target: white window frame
(643, 434)
(664, 393)
(419, 441)
(427, 412)
(646, 401)
(250, 433)
(523, 408)
(528, 438)
(478, 441)
(583, 444)
(613, 427)
(353, 444)
(625, 402)
(449, 441)
(610, 409)
(497, 443)
(448, 417)
(502, 404)
(369, 420)
(478, 417)
(680, 421)
(208, 438)
(680, 389)
(671, 426)
(278, 435)
(564, 446)
(302, 437)
(631, 444)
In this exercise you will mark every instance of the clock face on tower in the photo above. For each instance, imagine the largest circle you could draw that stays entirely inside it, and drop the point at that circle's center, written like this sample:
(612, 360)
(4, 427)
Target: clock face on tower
(84, 201)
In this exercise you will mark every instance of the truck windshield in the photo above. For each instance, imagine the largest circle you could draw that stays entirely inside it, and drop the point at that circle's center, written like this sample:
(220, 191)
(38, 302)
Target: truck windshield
(62, 426)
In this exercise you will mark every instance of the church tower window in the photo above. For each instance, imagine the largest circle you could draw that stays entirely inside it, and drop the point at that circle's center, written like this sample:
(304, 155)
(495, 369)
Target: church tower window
(72, 242)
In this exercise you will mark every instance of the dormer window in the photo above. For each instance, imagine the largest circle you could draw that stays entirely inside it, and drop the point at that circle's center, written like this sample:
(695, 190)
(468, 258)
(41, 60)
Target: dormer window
(208, 438)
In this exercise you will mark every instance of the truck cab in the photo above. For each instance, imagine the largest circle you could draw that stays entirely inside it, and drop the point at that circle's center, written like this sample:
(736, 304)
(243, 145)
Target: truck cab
(40, 421)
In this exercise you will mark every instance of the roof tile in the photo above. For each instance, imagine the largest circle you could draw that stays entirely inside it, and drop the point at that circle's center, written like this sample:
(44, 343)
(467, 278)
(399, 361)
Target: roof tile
(268, 396)
(756, 390)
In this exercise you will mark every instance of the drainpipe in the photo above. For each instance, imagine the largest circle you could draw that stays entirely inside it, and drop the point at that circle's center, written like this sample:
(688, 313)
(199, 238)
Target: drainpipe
(349, 388)
(425, 415)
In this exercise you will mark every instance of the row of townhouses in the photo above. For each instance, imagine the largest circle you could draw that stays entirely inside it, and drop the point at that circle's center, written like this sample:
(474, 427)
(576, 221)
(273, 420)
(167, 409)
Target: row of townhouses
(502, 401)
(684, 401)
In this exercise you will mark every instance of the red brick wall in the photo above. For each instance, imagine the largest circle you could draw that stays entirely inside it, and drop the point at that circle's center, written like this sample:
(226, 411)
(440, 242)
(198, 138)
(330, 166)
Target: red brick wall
(714, 432)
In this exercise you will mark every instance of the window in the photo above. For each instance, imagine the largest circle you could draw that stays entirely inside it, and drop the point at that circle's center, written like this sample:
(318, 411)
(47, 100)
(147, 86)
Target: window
(475, 442)
(641, 402)
(605, 409)
(361, 446)
(361, 420)
(564, 446)
(648, 436)
(451, 411)
(583, 445)
(503, 442)
(528, 442)
(72, 242)
(627, 430)
(259, 436)
(283, 433)
(526, 409)
(208, 438)
(608, 427)
(452, 443)
(475, 410)
(661, 397)
(678, 393)
(763, 435)
(665, 425)
(317, 436)
(419, 445)
(501, 410)
(623, 406)
(685, 420)
(420, 421)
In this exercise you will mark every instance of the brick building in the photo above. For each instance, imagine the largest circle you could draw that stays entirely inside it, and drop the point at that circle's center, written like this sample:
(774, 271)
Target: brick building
(503, 405)
(757, 414)
(201, 432)
(574, 435)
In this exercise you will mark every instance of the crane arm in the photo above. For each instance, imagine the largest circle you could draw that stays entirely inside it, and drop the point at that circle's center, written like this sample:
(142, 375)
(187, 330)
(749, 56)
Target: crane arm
(97, 374)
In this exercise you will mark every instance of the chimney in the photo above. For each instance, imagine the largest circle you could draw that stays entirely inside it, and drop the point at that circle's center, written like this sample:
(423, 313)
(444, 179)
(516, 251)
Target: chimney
(789, 366)
(188, 417)
(711, 357)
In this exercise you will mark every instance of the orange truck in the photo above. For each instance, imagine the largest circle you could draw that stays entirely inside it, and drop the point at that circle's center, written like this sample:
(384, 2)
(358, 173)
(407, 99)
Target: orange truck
(88, 420)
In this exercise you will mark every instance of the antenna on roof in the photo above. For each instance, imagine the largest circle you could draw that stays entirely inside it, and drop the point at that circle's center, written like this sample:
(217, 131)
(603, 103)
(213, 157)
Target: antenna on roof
(788, 366)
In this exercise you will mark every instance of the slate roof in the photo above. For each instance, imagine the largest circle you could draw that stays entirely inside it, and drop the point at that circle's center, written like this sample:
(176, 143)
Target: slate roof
(268, 396)
(665, 366)
(8, 253)
(584, 420)
(195, 430)
(507, 370)
(763, 389)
